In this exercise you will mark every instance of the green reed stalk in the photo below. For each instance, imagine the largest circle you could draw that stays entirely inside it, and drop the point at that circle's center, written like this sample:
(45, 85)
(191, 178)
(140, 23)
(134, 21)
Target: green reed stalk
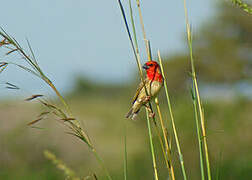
(148, 51)
(100, 160)
(152, 146)
(172, 120)
(196, 90)
(198, 134)
(137, 57)
(167, 159)
(143, 30)
(168, 150)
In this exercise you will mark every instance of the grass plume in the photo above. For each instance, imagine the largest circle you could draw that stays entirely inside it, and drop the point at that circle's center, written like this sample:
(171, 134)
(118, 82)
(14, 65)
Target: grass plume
(69, 173)
(65, 115)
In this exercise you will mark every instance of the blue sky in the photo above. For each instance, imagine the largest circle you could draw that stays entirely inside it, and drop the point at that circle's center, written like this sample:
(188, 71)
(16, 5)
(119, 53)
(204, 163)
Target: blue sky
(88, 38)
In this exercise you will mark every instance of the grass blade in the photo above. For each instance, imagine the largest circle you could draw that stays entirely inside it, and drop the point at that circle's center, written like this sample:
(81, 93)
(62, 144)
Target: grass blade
(172, 119)
(33, 97)
(148, 50)
(34, 121)
(198, 135)
(167, 147)
(143, 30)
(137, 57)
(196, 91)
(152, 146)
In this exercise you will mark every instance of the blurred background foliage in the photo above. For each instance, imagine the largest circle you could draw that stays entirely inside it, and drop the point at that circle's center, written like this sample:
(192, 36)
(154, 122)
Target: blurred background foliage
(223, 54)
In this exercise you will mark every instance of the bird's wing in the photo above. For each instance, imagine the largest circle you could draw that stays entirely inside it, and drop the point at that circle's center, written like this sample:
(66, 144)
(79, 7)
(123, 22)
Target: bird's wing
(140, 87)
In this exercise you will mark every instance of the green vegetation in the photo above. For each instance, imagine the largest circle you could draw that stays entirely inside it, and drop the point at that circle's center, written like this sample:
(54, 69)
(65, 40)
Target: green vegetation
(244, 6)
(229, 134)
(221, 54)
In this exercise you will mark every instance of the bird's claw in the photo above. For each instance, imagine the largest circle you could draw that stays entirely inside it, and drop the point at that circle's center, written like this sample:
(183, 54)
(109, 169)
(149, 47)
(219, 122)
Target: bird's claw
(147, 98)
(151, 114)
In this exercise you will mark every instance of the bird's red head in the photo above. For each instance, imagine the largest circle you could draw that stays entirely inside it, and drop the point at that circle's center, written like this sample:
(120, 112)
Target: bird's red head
(153, 71)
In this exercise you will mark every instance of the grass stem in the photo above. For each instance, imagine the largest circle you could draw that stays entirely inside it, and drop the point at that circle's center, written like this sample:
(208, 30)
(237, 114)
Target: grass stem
(143, 30)
(33, 68)
(137, 57)
(99, 159)
(152, 146)
(172, 119)
(168, 150)
(148, 50)
(196, 90)
(198, 135)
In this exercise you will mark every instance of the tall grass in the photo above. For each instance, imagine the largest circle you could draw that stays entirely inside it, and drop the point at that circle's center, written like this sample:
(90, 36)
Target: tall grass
(69, 173)
(181, 159)
(67, 118)
(135, 48)
(137, 58)
(167, 157)
(65, 115)
(168, 150)
(199, 116)
(198, 107)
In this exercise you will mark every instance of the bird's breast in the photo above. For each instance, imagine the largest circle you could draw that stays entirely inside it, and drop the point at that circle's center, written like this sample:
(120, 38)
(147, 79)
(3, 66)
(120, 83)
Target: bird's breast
(155, 87)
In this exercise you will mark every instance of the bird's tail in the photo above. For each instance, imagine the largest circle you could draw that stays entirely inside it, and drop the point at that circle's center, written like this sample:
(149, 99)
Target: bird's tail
(131, 114)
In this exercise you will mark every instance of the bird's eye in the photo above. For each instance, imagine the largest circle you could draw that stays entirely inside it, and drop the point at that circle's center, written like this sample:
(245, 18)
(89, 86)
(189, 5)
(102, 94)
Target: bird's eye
(150, 65)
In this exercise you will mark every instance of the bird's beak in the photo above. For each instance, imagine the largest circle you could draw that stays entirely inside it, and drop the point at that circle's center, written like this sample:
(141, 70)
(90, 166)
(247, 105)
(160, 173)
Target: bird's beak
(145, 67)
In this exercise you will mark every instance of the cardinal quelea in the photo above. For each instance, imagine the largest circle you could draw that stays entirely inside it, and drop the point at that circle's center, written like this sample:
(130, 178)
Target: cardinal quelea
(153, 83)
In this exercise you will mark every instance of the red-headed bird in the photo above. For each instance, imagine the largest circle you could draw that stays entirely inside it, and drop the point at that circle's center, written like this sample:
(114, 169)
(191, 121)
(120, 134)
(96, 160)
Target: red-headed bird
(153, 83)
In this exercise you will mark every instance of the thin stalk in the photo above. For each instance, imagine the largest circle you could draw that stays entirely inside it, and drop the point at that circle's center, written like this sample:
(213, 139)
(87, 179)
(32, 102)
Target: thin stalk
(203, 130)
(219, 166)
(143, 30)
(163, 150)
(133, 27)
(131, 40)
(201, 115)
(168, 150)
(98, 158)
(151, 146)
(137, 57)
(101, 163)
(148, 50)
(58, 94)
(172, 120)
(155, 125)
(198, 135)
(167, 162)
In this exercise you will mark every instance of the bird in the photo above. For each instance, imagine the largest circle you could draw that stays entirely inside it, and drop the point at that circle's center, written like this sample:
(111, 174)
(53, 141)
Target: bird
(153, 83)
